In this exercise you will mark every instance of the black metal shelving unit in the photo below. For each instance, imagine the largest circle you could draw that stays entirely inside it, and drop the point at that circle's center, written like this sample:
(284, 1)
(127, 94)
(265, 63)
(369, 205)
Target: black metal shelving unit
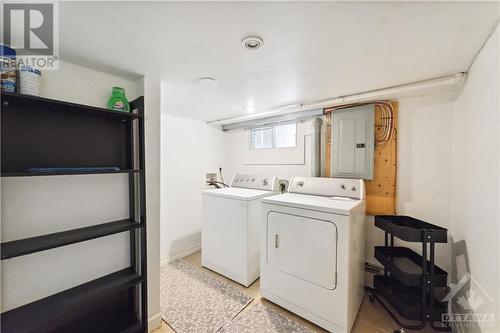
(410, 279)
(39, 132)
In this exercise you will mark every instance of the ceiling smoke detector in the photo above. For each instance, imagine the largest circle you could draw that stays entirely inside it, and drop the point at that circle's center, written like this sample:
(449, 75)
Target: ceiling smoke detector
(208, 82)
(252, 42)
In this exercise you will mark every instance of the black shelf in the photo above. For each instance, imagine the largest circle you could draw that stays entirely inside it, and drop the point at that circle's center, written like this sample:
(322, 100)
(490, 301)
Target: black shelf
(52, 105)
(407, 301)
(41, 243)
(135, 327)
(57, 312)
(406, 266)
(38, 133)
(42, 133)
(410, 229)
(36, 174)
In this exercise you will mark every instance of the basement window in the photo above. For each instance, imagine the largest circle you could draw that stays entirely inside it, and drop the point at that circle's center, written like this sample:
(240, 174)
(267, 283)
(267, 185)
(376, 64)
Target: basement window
(276, 136)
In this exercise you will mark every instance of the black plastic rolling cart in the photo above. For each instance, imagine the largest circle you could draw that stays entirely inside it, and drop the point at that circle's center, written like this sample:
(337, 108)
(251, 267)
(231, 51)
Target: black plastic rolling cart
(72, 139)
(409, 280)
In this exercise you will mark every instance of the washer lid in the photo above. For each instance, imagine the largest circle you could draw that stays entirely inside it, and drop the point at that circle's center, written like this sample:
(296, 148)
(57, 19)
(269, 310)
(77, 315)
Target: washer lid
(334, 205)
(238, 193)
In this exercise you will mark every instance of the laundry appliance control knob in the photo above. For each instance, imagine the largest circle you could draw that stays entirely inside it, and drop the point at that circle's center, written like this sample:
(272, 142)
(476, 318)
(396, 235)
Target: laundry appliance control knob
(265, 182)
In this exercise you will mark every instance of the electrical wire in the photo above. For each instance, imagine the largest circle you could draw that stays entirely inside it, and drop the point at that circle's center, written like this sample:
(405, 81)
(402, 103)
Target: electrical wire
(221, 178)
(216, 183)
(210, 183)
(384, 131)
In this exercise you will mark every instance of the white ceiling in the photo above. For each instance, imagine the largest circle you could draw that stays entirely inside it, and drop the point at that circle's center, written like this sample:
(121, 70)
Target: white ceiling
(311, 51)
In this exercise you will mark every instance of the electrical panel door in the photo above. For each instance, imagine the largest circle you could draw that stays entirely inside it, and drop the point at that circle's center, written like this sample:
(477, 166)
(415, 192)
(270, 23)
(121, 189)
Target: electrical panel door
(353, 142)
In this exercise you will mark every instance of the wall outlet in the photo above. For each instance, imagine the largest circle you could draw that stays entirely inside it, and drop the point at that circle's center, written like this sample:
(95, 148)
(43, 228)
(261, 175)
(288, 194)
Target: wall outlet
(211, 176)
(283, 185)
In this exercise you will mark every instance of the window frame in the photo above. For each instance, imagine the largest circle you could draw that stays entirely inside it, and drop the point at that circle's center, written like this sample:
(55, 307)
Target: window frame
(273, 133)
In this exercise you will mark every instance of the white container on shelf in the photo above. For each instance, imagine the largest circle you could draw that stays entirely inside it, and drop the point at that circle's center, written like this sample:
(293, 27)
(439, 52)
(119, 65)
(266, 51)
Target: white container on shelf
(30, 80)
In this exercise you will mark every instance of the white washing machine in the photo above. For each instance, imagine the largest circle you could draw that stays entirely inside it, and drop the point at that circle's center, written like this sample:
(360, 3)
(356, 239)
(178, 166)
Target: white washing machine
(312, 250)
(230, 235)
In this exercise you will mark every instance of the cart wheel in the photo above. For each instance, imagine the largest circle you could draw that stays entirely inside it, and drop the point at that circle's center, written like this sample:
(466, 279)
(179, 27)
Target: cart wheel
(371, 298)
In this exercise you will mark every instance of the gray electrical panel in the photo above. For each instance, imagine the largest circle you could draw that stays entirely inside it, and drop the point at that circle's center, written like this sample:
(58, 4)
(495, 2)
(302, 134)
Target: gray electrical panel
(353, 142)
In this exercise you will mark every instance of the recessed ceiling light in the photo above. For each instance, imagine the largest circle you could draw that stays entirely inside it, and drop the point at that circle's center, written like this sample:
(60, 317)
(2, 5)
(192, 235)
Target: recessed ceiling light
(250, 109)
(208, 82)
(252, 42)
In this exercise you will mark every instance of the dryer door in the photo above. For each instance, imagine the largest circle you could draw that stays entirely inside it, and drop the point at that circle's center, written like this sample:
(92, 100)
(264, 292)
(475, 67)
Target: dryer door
(303, 247)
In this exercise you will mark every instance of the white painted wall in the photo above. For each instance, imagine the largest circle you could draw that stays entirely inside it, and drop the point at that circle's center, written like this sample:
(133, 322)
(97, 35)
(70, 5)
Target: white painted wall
(77, 84)
(475, 177)
(152, 107)
(286, 165)
(424, 166)
(37, 205)
(190, 149)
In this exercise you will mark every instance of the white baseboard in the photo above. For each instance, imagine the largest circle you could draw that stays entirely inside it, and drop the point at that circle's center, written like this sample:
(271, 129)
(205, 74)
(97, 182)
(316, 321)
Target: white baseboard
(154, 322)
(180, 254)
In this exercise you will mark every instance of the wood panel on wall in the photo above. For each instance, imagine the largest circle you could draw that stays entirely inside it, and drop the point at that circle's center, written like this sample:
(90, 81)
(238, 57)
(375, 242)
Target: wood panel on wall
(381, 191)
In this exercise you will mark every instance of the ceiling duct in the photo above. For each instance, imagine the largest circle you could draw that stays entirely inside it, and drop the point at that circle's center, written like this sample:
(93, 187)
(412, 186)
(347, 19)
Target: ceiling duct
(446, 88)
(301, 115)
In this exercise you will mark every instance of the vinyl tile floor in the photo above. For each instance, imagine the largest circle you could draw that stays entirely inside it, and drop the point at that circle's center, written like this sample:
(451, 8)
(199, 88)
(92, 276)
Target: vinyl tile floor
(371, 317)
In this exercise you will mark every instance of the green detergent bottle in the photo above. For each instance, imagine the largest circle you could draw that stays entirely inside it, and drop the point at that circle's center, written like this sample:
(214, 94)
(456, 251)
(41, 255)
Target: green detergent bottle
(118, 101)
